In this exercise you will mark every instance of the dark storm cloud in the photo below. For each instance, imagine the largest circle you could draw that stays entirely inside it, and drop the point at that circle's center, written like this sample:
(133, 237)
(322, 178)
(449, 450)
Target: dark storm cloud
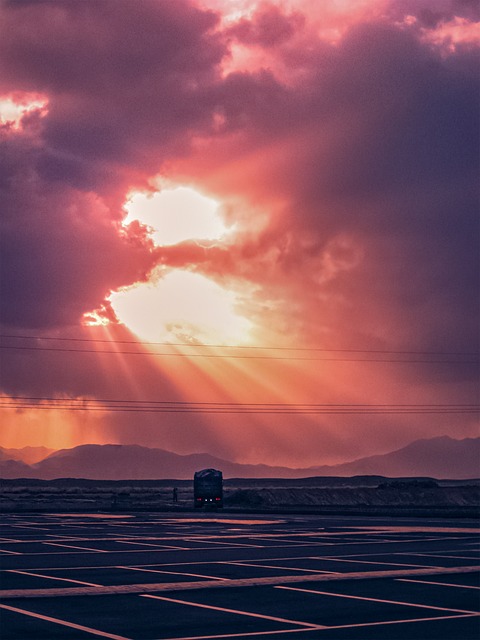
(353, 183)
(268, 27)
(375, 141)
(124, 84)
(376, 147)
(125, 80)
(431, 13)
(61, 251)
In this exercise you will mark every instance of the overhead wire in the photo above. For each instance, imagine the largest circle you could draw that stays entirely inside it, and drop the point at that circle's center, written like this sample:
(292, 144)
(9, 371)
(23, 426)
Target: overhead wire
(231, 346)
(243, 357)
(152, 406)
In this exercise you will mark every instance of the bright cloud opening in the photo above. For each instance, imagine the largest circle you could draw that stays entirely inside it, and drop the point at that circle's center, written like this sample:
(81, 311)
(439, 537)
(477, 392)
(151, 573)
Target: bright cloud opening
(181, 307)
(176, 215)
(13, 109)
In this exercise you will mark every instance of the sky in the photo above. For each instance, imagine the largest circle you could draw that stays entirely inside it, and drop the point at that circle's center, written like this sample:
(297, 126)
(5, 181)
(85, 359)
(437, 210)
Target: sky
(240, 227)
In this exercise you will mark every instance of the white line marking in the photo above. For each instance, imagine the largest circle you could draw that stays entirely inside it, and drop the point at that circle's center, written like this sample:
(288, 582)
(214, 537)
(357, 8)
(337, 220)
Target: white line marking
(219, 541)
(439, 555)
(251, 633)
(285, 539)
(441, 584)
(393, 564)
(71, 546)
(404, 604)
(159, 545)
(64, 623)
(412, 529)
(40, 575)
(228, 583)
(11, 553)
(220, 548)
(377, 624)
(271, 566)
(345, 626)
(162, 564)
(176, 573)
(7, 540)
(235, 611)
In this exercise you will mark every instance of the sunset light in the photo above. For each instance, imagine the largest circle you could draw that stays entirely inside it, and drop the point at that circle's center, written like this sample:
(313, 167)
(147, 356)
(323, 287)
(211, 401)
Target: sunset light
(257, 218)
(14, 108)
(239, 272)
(180, 306)
(175, 215)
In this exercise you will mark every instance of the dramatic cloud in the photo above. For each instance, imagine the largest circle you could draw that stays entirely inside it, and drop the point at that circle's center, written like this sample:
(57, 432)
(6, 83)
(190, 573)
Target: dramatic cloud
(342, 144)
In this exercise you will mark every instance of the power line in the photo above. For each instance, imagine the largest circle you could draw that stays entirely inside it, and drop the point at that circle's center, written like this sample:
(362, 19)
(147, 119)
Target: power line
(149, 406)
(240, 357)
(230, 346)
(235, 404)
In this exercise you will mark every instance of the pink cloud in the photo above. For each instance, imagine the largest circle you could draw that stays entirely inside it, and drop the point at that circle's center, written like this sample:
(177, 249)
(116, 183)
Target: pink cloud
(348, 165)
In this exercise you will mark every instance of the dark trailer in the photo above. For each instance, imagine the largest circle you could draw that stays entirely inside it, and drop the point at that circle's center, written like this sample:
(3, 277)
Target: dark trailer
(208, 488)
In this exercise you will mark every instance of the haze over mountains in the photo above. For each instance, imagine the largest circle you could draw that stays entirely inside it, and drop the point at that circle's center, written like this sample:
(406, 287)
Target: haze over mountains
(441, 457)
(29, 455)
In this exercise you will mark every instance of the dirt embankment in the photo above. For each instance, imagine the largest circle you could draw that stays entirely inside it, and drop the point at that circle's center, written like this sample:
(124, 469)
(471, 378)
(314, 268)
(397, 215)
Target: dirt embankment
(465, 496)
(357, 495)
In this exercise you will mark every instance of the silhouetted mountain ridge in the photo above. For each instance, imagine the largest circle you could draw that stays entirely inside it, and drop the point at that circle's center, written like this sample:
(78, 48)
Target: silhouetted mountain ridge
(29, 455)
(441, 457)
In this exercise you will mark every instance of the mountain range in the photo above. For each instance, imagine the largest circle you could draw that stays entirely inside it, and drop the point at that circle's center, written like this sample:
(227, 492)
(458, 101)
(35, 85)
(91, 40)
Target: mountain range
(441, 457)
(30, 455)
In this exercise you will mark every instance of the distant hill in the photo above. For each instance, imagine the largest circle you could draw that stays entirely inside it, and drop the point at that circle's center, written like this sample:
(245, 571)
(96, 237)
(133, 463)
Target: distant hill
(15, 469)
(29, 455)
(113, 462)
(441, 457)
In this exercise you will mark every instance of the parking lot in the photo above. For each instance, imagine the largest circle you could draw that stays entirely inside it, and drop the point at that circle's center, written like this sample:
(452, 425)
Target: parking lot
(209, 575)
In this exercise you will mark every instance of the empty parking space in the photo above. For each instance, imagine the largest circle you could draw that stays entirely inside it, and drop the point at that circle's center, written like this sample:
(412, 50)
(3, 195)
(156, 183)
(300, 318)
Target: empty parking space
(154, 576)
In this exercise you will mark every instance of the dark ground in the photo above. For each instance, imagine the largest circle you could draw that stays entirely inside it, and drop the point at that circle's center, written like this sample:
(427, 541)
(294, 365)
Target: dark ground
(198, 576)
(361, 494)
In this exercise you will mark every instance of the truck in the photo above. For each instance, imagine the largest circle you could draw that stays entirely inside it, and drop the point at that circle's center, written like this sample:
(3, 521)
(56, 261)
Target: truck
(208, 489)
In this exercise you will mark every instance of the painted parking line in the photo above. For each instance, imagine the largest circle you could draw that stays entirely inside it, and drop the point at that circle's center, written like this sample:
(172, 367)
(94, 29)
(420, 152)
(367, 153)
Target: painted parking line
(323, 630)
(11, 553)
(63, 623)
(177, 573)
(71, 546)
(248, 634)
(438, 555)
(61, 538)
(78, 550)
(228, 583)
(440, 584)
(218, 540)
(159, 545)
(391, 622)
(416, 529)
(8, 540)
(260, 564)
(209, 562)
(41, 575)
(393, 564)
(380, 600)
(236, 611)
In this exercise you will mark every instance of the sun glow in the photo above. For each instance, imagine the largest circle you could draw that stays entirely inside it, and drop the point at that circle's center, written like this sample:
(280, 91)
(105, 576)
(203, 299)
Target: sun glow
(45, 425)
(176, 215)
(178, 305)
(181, 307)
(14, 108)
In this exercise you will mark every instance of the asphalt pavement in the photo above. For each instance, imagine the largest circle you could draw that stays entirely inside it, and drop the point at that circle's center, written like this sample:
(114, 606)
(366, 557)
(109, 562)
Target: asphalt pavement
(216, 575)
